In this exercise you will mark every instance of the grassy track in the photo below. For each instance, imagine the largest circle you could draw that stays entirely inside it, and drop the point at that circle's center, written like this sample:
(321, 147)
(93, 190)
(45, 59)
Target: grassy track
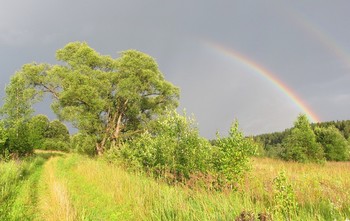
(54, 186)
(54, 202)
(18, 183)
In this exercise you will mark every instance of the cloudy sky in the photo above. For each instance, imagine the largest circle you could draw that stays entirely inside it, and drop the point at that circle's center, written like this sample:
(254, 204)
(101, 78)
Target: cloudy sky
(232, 59)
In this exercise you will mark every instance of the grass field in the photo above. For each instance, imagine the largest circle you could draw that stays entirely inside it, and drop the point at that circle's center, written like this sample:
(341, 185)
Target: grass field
(55, 186)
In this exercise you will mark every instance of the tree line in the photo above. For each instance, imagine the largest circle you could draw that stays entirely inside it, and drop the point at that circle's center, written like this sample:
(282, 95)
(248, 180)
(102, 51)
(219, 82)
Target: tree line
(38, 132)
(308, 142)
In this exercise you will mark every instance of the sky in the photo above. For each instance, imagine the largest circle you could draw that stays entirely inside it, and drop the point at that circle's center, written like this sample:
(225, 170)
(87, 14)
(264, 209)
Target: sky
(259, 62)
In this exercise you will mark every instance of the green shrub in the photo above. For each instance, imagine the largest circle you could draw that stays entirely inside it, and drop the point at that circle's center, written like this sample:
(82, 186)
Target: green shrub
(83, 143)
(172, 146)
(55, 144)
(284, 197)
(18, 140)
(231, 156)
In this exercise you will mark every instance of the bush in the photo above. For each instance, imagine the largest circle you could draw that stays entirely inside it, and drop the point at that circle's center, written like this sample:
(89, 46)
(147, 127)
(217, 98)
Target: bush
(55, 144)
(231, 158)
(18, 144)
(83, 143)
(284, 197)
(172, 149)
(172, 146)
(47, 135)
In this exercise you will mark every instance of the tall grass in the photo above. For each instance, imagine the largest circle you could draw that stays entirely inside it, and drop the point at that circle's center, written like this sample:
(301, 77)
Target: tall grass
(74, 187)
(322, 191)
(18, 180)
(130, 196)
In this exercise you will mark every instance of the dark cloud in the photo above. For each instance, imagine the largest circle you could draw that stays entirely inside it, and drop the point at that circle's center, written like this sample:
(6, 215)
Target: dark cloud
(304, 44)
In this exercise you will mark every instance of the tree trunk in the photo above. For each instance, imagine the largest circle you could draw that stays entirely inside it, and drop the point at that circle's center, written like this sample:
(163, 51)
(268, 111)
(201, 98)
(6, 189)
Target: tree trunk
(100, 146)
(119, 125)
(117, 128)
(99, 149)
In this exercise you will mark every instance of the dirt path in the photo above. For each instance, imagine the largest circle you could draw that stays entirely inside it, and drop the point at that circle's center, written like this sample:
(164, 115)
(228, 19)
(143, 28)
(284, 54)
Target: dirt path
(33, 190)
(53, 201)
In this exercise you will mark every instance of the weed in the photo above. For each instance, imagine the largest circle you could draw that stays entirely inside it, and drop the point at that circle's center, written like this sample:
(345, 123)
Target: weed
(284, 197)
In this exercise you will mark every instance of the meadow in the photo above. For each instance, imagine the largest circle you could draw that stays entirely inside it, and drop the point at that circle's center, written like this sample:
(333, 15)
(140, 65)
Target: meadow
(57, 186)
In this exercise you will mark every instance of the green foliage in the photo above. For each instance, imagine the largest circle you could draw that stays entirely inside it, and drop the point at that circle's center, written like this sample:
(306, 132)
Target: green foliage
(260, 150)
(83, 143)
(3, 139)
(56, 137)
(47, 135)
(231, 157)
(56, 144)
(18, 144)
(17, 110)
(103, 97)
(18, 101)
(272, 142)
(284, 197)
(38, 125)
(173, 146)
(301, 145)
(57, 130)
(335, 146)
(343, 126)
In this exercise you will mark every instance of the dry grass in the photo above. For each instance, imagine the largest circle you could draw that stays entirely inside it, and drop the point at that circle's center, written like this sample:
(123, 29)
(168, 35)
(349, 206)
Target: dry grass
(329, 182)
(54, 199)
(136, 197)
(140, 198)
(72, 187)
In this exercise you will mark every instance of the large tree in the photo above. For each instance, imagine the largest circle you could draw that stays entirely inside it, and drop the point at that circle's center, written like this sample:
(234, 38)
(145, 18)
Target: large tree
(301, 144)
(105, 98)
(335, 146)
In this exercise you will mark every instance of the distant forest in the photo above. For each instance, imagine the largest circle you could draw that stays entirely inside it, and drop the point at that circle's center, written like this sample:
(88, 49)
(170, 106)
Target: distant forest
(271, 143)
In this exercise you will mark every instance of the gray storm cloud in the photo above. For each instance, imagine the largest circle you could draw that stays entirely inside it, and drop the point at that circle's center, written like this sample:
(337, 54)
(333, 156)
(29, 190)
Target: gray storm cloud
(215, 89)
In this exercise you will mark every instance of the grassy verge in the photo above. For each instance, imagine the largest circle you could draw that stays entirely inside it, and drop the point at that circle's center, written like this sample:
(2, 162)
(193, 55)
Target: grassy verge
(18, 182)
(105, 191)
(322, 191)
(73, 187)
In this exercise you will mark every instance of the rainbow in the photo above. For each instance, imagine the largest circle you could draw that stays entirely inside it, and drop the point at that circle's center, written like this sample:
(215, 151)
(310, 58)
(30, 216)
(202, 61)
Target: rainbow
(326, 40)
(267, 75)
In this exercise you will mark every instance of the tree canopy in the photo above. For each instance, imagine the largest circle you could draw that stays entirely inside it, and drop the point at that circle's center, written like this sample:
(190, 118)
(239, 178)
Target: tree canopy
(335, 146)
(301, 144)
(107, 99)
(38, 125)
